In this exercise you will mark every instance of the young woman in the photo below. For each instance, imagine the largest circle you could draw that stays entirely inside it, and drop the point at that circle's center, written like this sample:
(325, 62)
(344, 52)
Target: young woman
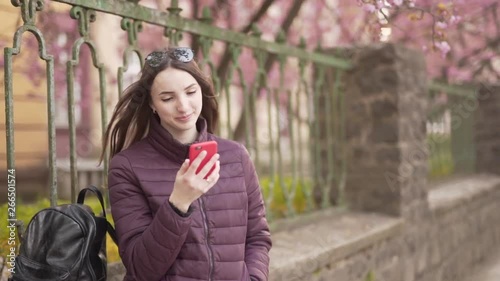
(173, 223)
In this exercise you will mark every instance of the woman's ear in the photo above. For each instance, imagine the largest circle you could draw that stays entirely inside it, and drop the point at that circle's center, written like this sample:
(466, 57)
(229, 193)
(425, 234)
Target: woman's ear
(152, 108)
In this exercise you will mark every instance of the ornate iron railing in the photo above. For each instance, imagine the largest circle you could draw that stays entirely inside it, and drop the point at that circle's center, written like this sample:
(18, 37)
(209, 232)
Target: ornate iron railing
(282, 127)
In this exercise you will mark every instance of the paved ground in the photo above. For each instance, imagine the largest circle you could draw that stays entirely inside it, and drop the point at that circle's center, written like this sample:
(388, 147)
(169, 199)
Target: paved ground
(489, 271)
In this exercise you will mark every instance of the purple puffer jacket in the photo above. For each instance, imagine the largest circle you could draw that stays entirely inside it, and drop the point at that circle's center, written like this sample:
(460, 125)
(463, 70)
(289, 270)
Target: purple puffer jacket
(226, 237)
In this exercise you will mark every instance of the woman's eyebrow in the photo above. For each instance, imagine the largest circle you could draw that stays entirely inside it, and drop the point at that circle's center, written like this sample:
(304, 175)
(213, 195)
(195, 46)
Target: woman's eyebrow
(194, 84)
(170, 92)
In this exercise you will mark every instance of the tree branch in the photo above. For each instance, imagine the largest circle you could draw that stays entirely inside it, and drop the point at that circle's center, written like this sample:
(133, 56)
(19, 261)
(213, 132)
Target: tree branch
(220, 5)
(496, 22)
(258, 15)
(466, 59)
(226, 57)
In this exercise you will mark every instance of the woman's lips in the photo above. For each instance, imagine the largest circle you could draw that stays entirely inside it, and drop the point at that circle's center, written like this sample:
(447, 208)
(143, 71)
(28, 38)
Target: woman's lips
(184, 118)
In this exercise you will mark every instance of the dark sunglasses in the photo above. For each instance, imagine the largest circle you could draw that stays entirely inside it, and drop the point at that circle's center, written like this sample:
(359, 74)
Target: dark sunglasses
(182, 54)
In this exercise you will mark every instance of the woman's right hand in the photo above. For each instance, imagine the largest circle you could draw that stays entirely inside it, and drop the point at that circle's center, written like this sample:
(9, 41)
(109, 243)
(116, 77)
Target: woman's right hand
(189, 186)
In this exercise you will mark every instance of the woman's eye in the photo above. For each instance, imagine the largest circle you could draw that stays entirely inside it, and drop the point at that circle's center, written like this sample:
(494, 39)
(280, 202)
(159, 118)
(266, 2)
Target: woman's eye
(167, 99)
(191, 93)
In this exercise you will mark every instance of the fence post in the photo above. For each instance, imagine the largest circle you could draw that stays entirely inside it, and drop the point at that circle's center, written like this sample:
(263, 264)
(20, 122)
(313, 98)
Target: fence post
(386, 113)
(487, 130)
(386, 100)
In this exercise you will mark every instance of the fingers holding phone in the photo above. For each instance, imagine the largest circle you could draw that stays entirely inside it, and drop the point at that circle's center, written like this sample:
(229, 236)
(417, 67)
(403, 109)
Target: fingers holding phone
(196, 176)
(210, 173)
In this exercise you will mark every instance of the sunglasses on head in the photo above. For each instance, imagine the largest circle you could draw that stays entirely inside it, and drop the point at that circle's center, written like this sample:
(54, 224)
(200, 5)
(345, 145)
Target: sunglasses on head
(182, 54)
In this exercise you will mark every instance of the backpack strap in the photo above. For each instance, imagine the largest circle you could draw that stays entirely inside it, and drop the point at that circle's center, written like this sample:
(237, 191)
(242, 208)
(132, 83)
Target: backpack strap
(97, 192)
(112, 233)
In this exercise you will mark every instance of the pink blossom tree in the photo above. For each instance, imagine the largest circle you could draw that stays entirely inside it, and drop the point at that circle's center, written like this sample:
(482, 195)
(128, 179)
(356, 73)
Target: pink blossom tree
(461, 39)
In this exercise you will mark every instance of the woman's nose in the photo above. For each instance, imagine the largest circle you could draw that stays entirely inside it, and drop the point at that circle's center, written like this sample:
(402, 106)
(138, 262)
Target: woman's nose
(182, 104)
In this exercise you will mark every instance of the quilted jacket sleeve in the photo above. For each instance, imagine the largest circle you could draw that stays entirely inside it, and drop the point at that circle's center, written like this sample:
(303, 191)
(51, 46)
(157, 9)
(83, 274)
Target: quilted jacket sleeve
(148, 245)
(258, 241)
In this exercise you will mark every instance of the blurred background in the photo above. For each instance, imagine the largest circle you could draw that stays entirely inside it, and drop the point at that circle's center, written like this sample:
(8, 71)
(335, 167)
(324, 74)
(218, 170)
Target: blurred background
(384, 108)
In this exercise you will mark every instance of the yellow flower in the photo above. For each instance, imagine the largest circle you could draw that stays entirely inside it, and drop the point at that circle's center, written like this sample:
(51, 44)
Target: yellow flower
(414, 16)
(443, 6)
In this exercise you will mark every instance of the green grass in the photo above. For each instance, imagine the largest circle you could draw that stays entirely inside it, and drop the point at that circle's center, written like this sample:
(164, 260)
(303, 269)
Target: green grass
(370, 276)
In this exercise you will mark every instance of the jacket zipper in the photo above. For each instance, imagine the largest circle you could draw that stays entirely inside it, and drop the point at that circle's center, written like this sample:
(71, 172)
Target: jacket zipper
(205, 226)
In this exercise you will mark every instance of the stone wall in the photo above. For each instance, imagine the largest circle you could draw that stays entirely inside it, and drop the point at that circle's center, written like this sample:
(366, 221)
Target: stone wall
(462, 230)
(465, 228)
(347, 246)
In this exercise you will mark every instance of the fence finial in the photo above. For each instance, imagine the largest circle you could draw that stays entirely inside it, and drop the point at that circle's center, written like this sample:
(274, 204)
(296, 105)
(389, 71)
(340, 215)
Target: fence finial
(174, 35)
(28, 9)
(302, 43)
(255, 30)
(206, 15)
(318, 46)
(133, 27)
(281, 38)
(174, 9)
(85, 17)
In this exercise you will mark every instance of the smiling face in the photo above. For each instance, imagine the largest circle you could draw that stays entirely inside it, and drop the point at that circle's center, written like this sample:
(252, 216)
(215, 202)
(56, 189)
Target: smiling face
(176, 97)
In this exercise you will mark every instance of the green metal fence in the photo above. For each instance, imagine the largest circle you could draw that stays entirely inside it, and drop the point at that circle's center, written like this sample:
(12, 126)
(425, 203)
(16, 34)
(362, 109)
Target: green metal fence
(291, 108)
(450, 130)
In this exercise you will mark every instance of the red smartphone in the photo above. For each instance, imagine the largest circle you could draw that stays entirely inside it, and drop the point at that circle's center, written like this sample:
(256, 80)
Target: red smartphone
(210, 147)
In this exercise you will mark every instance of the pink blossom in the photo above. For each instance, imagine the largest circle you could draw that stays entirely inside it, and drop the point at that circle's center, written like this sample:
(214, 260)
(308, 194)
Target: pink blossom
(443, 47)
(455, 19)
(441, 25)
(459, 75)
(380, 4)
(370, 8)
(398, 2)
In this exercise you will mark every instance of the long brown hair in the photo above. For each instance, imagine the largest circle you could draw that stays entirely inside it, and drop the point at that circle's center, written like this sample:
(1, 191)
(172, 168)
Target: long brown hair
(130, 120)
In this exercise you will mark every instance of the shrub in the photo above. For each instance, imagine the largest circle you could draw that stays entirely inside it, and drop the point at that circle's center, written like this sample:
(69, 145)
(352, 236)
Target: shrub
(277, 207)
(440, 156)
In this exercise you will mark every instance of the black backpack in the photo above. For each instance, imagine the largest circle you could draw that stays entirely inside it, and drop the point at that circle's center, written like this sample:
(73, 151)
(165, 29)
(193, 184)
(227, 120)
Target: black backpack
(65, 243)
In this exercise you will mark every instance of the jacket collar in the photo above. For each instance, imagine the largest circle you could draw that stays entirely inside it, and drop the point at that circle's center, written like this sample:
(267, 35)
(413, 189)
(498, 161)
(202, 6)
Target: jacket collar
(165, 143)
